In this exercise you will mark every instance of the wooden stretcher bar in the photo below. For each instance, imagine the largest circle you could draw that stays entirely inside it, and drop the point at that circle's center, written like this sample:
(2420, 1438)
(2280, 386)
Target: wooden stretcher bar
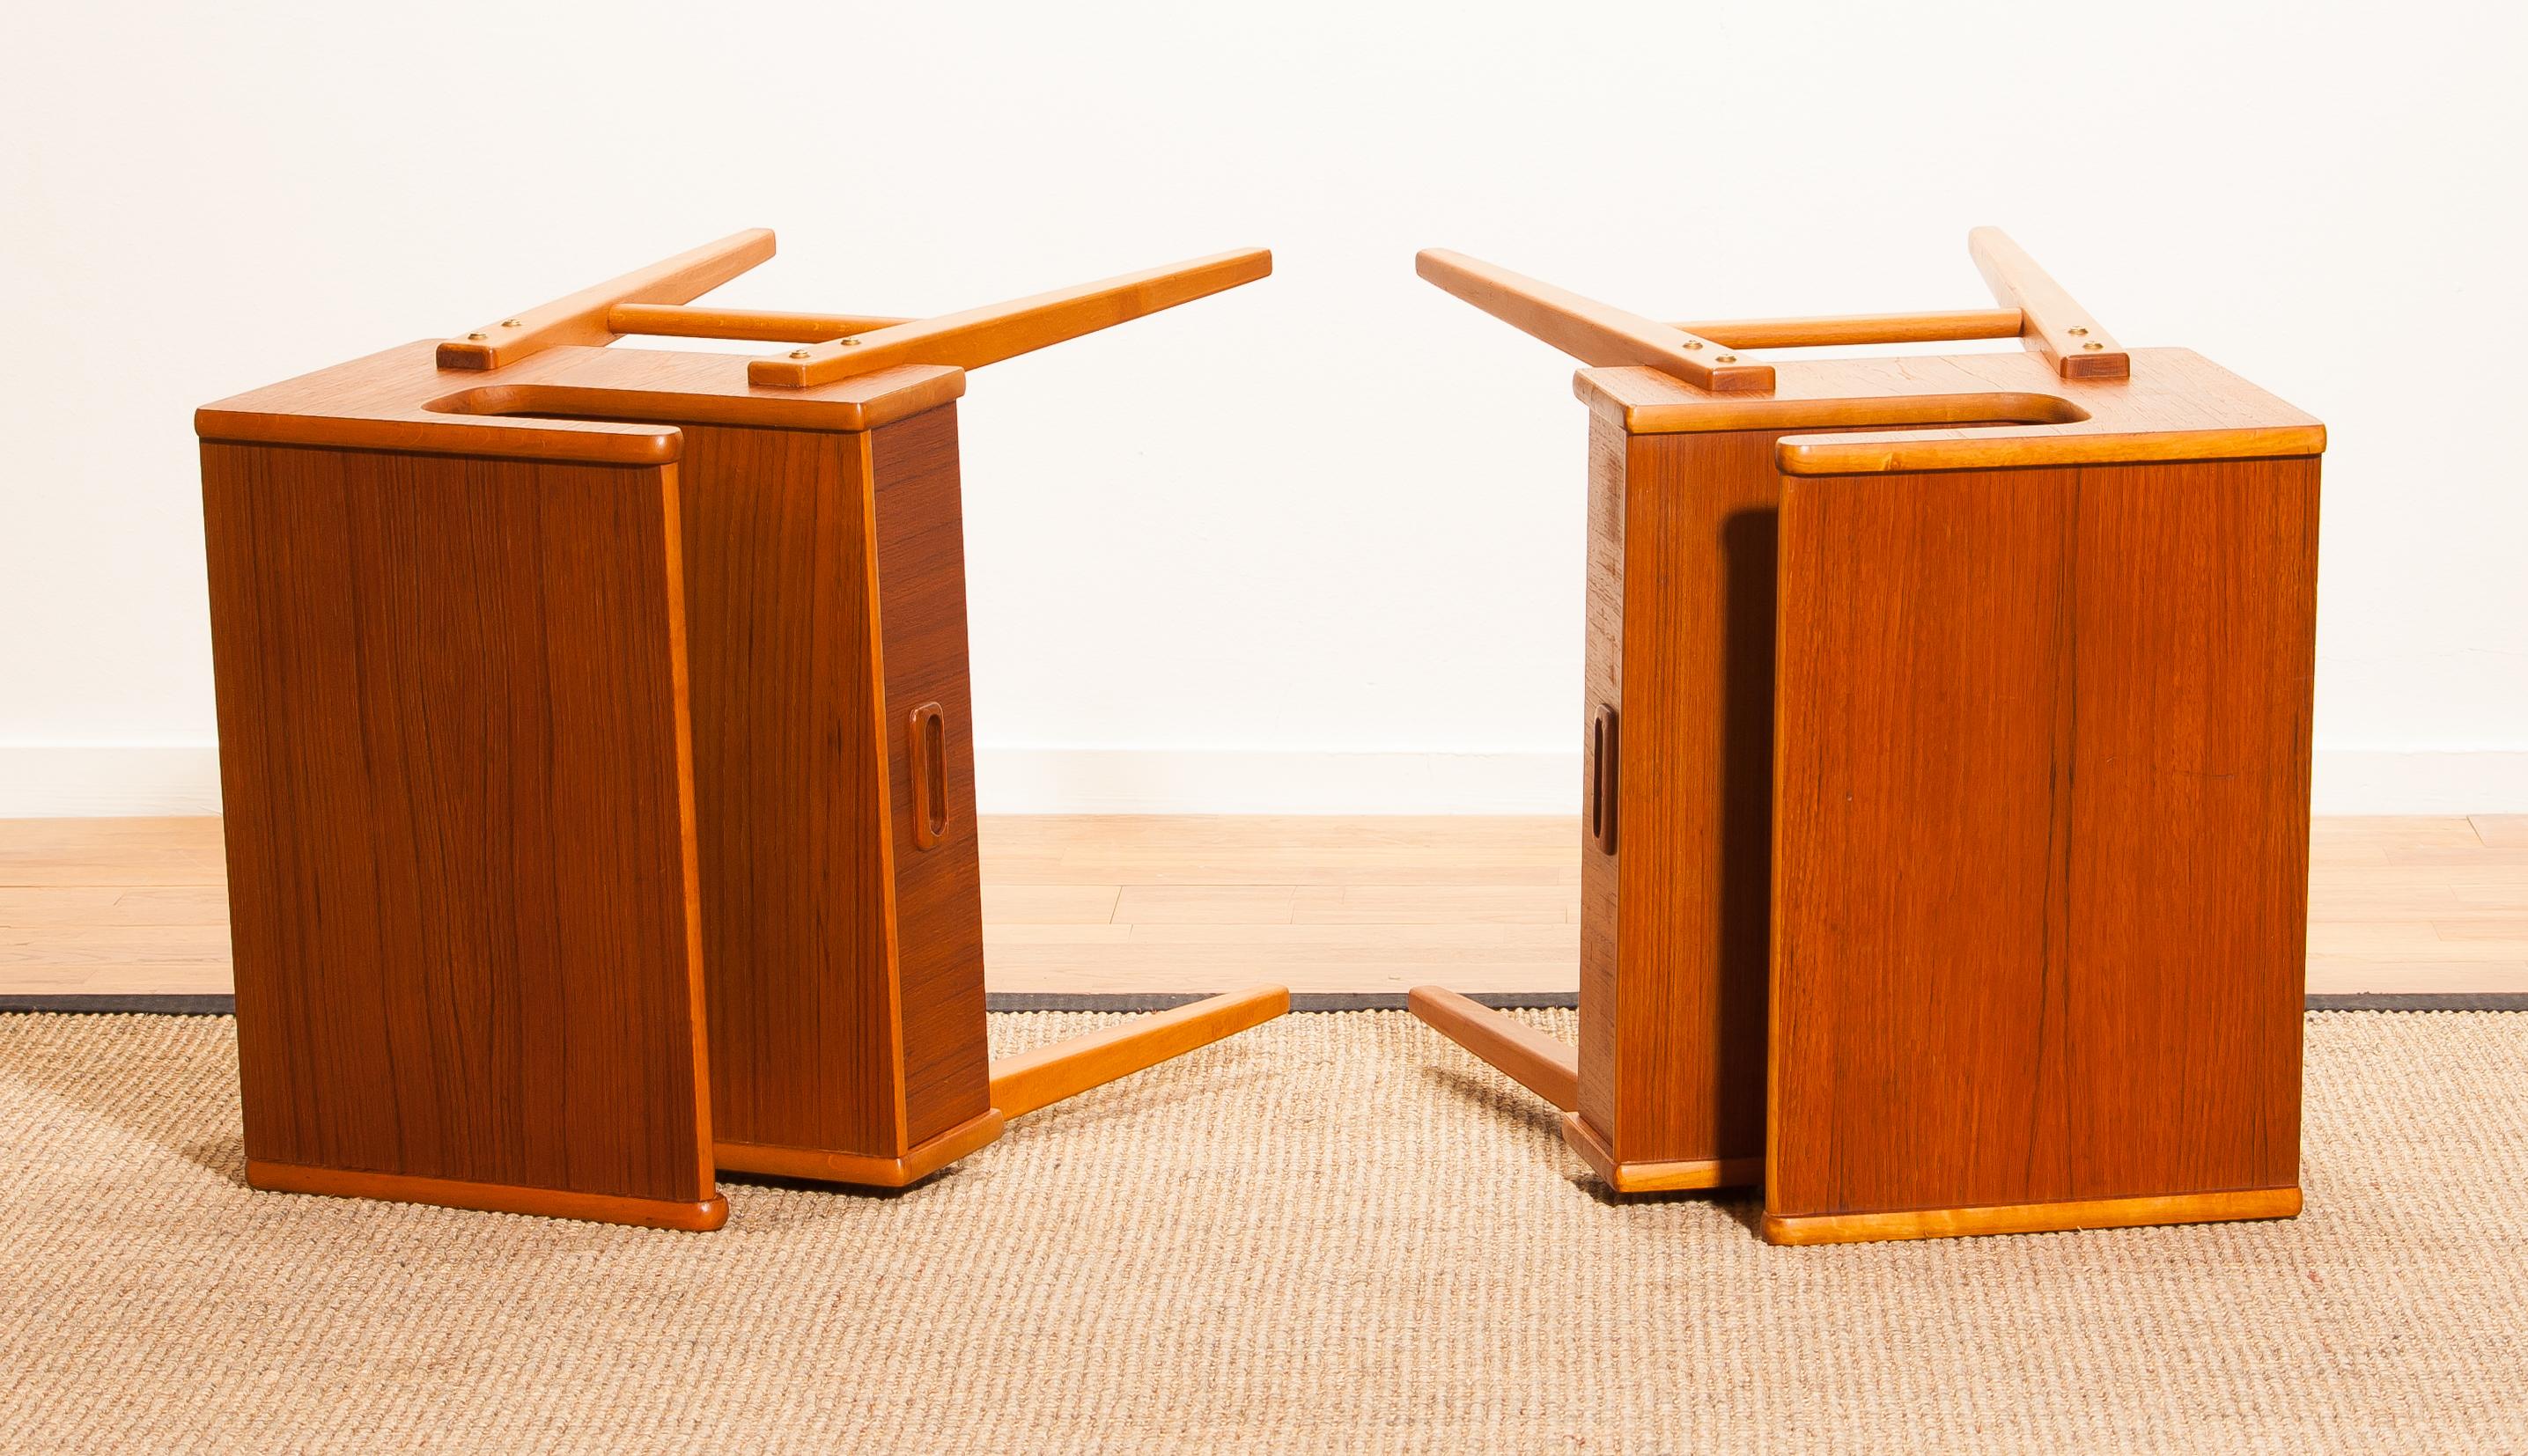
(2055, 326)
(1589, 331)
(694, 320)
(1863, 328)
(995, 332)
(1045, 1075)
(582, 317)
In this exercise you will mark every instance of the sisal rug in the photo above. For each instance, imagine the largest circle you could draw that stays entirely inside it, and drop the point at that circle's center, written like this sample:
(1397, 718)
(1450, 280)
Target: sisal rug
(1335, 1233)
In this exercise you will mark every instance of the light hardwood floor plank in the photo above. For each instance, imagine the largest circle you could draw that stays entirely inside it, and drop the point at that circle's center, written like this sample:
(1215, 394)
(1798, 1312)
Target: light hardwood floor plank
(1205, 905)
(1143, 902)
(2505, 830)
(1078, 905)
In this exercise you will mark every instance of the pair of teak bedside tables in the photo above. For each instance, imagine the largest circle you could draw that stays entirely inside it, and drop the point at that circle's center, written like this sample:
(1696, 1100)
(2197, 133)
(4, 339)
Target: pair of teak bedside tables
(597, 749)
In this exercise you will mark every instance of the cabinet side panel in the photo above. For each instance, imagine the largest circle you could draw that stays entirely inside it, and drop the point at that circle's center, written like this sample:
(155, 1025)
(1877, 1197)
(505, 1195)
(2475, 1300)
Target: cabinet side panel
(458, 846)
(1603, 688)
(2043, 768)
(1694, 836)
(2190, 856)
(789, 805)
(938, 899)
(1923, 782)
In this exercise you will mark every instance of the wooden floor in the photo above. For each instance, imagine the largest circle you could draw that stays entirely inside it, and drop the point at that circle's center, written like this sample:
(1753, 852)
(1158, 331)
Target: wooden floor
(1143, 904)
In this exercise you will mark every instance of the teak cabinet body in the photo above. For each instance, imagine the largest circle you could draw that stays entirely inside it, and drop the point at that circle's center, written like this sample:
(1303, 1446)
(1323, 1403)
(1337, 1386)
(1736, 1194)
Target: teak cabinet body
(1960, 845)
(1946, 723)
(599, 756)
(478, 866)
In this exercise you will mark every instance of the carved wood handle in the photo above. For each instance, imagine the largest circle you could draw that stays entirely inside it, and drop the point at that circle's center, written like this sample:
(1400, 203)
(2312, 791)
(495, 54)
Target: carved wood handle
(926, 754)
(1604, 756)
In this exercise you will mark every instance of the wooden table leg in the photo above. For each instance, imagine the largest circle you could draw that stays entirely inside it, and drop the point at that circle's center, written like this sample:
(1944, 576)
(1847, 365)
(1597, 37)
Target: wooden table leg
(1526, 1055)
(1045, 1075)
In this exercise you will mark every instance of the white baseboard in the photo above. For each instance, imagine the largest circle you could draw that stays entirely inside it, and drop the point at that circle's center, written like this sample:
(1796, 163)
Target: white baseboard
(2388, 781)
(44, 781)
(49, 781)
(1266, 781)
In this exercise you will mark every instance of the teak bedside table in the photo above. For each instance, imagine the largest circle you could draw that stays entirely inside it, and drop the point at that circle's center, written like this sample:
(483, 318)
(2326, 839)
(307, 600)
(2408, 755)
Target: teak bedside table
(1947, 722)
(598, 757)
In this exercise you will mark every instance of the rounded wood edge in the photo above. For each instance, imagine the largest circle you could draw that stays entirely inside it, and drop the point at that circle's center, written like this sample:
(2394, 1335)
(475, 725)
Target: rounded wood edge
(924, 388)
(699, 1216)
(856, 405)
(1674, 1177)
(2032, 1218)
(1825, 455)
(1711, 415)
(861, 1169)
(776, 373)
(1584, 1140)
(458, 434)
(458, 353)
(1438, 1007)
(1678, 1177)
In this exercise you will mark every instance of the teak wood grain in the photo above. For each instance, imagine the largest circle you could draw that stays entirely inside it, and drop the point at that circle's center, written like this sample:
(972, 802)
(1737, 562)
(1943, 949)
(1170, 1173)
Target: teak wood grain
(1676, 919)
(1674, 922)
(2038, 934)
(790, 805)
(826, 589)
(920, 560)
(460, 827)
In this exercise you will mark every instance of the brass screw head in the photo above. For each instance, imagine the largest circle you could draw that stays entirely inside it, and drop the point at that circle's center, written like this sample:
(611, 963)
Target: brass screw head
(2077, 333)
(509, 324)
(1727, 359)
(2093, 345)
(1693, 344)
(849, 344)
(476, 337)
(799, 353)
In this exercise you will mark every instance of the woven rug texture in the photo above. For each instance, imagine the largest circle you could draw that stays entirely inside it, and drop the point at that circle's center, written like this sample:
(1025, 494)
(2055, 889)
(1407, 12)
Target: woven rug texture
(1335, 1233)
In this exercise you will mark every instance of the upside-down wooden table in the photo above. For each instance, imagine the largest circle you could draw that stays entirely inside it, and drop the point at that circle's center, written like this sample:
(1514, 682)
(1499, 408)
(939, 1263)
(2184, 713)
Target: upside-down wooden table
(596, 755)
(1946, 856)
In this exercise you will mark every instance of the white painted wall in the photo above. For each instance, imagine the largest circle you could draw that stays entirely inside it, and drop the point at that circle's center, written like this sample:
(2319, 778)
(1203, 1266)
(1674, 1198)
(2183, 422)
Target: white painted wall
(1314, 543)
